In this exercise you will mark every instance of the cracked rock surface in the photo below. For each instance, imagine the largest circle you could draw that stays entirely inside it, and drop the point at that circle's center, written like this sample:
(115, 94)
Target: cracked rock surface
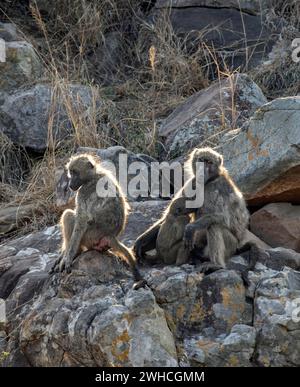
(92, 317)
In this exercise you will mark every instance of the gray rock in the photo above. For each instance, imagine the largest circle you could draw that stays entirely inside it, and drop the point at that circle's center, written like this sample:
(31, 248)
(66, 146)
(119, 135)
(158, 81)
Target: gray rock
(277, 321)
(12, 217)
(25, 115)
(227, 31)
(192, 301)
(278, 224)
(250, 6)
(235, 350)
(92, 317)
(8, 32)
(263, 157)
(22, 66)
(206, 114)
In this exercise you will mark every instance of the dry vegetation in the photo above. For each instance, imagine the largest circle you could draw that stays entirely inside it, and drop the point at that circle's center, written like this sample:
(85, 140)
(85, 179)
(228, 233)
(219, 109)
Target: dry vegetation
(148, 71)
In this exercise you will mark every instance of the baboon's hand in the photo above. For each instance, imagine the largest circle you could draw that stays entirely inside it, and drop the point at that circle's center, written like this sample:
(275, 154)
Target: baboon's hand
(55, 266)
(138, 248)
(188, 237)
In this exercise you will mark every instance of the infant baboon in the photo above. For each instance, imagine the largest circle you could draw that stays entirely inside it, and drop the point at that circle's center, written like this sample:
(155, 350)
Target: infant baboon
(169, 243)
(220, 223)
(96, 221)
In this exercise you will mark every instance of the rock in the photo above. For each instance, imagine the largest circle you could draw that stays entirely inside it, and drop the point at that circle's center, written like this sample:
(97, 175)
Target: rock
(193, 302)
(277, 321)
(210, 111)
(281, 257)
(3, 319)
(250, 6)
(227, 31)
(234, 350)
(92, 317)
(112, 156)
(8, 32)
(251, 238)
(12, 217)
(107, 57)
(263, 157)
(278, 224)
(25, 115)
(21, 67)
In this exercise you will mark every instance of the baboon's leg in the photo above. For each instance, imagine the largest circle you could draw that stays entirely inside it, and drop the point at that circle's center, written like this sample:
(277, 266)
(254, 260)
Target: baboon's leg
(67, 222)
(126, 253)
(182, 255)
(221, 244)
(79, 230)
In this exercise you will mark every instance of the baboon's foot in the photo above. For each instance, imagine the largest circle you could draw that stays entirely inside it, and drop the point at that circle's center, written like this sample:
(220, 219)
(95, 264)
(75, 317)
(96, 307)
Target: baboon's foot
(139, 284)
(209, 267)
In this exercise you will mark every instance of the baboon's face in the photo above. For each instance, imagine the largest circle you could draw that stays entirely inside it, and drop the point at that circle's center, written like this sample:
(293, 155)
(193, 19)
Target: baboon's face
(80, 172)
(211, 167)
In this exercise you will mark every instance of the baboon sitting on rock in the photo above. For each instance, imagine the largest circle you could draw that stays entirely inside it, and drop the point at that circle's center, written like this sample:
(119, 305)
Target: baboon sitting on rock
(219, 224)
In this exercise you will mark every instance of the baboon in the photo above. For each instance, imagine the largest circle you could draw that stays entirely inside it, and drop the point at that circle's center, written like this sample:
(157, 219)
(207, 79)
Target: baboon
(97, 221)
(169, 243)
(221, 221)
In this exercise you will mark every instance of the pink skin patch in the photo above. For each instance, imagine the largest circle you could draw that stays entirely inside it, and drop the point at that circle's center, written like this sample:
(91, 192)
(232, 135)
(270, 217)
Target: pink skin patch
(102, 245)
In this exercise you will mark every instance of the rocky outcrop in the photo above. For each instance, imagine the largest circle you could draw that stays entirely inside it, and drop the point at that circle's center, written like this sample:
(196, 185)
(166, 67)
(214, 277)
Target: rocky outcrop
(278, 224)
(92, 317)
(208, 113)
(263, 157)
(25, 115)
(12, 217)
(22, 66)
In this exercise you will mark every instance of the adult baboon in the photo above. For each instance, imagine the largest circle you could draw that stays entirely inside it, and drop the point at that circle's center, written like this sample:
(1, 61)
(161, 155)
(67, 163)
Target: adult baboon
(97, 221)
(221, 221)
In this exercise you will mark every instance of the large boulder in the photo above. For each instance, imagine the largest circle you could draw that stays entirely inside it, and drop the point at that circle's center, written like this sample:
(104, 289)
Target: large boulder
(237, 37)
(12, 217)
(21, 67)
(92, 317)
(278, 224)
(277, 306)
(27, 116)
(250, 6)
(207, 114)
(263, 157)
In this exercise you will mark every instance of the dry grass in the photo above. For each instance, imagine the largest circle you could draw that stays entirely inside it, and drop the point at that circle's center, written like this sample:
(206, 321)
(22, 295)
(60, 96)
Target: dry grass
(280, 76)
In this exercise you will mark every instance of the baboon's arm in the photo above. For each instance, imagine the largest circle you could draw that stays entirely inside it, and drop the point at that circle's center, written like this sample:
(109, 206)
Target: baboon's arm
(203, 223)
(147, 241)
(207, 220)
(80, 228)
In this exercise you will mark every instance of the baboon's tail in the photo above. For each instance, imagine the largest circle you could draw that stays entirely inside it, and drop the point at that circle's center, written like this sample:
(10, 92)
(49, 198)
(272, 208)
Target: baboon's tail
(125, 253)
